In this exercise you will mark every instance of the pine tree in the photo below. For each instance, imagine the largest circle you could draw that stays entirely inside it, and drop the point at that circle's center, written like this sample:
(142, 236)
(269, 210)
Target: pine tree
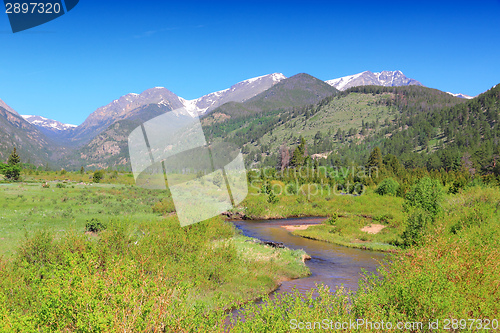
(299, 154)
(14, 158)
(13, 170)
(374, 161)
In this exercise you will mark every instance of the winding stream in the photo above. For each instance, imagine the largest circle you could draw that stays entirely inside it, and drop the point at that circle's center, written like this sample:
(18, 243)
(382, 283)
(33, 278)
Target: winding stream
(331, 264)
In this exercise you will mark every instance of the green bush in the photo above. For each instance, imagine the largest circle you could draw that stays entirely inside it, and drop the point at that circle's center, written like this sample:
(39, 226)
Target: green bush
(388, 187)
(217, 180)
(60, 185)
(383, 218)
(272, 198)
(164, 206)
(416, 226)
(11, 172)
(458, 185)
(266, 188)
(98, 176)
(332, 220)
(426, 194)
(291, 188)
(94, 225)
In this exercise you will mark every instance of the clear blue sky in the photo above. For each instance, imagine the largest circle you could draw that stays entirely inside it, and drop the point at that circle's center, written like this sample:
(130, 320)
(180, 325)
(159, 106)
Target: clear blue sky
(67, 68)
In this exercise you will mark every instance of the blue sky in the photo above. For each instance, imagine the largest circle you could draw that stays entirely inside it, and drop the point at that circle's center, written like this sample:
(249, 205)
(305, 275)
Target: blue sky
(67, 68)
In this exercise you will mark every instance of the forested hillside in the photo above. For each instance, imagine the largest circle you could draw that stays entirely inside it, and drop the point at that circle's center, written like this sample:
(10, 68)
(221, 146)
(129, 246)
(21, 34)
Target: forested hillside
(424, 127)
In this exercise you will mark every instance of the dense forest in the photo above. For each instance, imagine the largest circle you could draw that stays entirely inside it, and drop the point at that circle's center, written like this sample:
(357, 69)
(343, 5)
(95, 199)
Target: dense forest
(425, 128)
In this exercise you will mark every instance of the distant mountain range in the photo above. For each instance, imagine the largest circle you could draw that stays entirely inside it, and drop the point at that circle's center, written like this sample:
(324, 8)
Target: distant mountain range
(384, 78)
(101, 139)
(49, 124)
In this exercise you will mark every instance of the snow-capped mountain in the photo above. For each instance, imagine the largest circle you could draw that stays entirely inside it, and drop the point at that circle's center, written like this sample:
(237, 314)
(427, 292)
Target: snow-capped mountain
(384, 78)
(239, 92)
(129, 105)
(460, 95)
(6, 107)
(45, 123)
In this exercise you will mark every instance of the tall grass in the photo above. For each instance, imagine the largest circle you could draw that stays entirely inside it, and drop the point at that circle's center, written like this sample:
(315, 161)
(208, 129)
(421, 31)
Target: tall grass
(453, 274)
(138, 278)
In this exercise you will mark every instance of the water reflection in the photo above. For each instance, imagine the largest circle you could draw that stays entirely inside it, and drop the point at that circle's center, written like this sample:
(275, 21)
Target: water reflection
(331, 265)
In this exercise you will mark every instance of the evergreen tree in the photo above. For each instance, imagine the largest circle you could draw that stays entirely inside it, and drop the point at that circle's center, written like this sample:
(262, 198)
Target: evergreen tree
(13, 169)
(14, 158)
(374, 161)
(299, 154)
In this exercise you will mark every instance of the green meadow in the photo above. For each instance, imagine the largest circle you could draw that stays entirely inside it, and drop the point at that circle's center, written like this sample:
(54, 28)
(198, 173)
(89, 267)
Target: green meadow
(80, 256)
(112, 257)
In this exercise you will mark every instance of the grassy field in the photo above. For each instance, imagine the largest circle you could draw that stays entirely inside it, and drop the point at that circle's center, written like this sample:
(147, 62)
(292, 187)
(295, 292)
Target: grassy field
(351, 214)
(141, 271)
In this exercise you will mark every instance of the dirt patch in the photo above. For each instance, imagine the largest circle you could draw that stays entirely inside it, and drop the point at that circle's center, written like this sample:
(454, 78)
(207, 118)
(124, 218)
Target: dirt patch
(373, 228)
(296, 227)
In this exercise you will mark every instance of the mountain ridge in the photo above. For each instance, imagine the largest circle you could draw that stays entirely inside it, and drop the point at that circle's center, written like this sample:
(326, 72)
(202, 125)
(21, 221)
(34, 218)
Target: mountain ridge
(384, 78)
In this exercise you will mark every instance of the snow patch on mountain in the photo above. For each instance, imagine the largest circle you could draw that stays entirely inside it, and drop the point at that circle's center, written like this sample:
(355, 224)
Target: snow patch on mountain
(384, 78)
(46, 123)
(341, 82)
(238, 92)
(460, 95)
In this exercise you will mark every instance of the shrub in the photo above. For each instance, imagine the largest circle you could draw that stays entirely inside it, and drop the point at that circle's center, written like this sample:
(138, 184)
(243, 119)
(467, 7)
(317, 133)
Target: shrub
(164, 207)
(46, 185)
(272, 198)
(60, 185)
(426, 194)
(266, 188)
(402, 190)
(11, 172)
(332, 220)
(384, 218)
(94, 225)
(217, 180)
(291, 188)
(416, 226)
(98, 176)
(457, 185)
(388, 187)
(63, 172)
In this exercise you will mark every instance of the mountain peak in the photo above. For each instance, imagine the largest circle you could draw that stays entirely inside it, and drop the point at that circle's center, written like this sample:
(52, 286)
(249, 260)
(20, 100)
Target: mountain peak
(383, 78)
(238, 92)
(49, 124)
(8, 108)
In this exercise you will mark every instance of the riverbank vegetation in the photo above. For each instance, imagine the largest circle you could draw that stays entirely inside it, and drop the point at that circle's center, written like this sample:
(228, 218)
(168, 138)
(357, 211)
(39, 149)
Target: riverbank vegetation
(111, 257)
(450, 274)
(87, 254)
